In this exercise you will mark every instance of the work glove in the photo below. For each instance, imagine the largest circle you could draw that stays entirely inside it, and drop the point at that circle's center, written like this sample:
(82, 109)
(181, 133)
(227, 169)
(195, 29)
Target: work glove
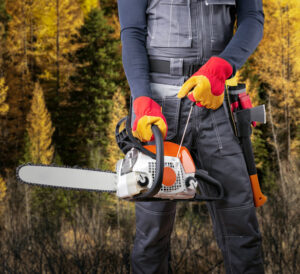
(147, 113)
(206, 86)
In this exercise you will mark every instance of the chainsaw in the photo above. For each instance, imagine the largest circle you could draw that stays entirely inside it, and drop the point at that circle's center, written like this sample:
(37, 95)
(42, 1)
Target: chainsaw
(156, 172)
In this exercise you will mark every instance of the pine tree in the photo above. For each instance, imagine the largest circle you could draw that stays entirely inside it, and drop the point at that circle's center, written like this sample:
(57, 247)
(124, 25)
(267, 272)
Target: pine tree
(2, 47)
(40, 129)
(3, 93)
(57, 22)
(94, 83)
(15, 69)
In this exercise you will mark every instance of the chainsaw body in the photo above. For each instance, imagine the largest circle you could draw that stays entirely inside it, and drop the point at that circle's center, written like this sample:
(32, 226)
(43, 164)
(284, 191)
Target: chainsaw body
(136, 173)
(164, 171)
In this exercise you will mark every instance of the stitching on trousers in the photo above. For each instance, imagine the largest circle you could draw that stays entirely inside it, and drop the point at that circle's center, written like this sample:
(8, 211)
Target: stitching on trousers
(248, 205)
(226, 244)
(157, 212)
(216, 129)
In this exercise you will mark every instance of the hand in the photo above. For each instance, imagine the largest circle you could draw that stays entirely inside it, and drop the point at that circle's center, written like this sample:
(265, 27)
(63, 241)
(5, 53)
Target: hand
(148, 113)
(206, 86)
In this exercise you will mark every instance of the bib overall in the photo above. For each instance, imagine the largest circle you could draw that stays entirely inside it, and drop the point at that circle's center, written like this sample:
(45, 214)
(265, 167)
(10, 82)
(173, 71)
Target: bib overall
(184, 34)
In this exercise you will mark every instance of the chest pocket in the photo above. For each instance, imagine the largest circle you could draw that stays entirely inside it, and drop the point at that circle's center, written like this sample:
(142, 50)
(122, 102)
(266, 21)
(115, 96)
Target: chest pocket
(221, 21)
(169, 24)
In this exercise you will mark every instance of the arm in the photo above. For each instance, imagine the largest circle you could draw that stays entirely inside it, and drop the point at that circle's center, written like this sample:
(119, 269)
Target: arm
(250, 21)
(206, 86)
(132, 15)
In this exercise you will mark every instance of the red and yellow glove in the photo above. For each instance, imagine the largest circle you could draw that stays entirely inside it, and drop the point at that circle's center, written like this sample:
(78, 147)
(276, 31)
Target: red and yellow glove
(206, 86)
(148, 113)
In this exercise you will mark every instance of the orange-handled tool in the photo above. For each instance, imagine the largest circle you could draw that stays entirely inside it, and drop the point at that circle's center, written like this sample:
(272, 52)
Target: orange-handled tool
(259, 198)
(243, 120)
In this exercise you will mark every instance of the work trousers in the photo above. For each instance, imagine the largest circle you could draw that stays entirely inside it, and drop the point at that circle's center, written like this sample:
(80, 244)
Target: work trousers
(214, 147)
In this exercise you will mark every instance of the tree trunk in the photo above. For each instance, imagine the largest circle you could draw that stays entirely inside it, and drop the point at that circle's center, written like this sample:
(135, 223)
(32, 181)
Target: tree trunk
(57, 47)
(274, 133)
(288, 122)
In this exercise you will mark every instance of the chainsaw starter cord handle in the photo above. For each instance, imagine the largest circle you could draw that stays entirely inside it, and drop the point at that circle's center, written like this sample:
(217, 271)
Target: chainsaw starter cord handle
(159, 170)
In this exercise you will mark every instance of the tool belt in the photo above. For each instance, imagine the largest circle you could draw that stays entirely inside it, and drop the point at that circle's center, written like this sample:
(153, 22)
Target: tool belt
(164, 66)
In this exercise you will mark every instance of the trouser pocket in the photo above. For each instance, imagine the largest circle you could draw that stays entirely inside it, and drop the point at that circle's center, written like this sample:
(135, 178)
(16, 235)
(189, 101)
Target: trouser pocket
(170, 109)
(166, 97)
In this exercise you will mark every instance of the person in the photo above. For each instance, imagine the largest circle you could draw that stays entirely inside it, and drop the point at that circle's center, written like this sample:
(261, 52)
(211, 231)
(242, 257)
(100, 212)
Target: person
(175, 52)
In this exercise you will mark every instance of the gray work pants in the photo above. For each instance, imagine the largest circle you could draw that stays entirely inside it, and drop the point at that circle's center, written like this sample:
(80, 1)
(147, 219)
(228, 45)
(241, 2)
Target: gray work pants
(215, 148)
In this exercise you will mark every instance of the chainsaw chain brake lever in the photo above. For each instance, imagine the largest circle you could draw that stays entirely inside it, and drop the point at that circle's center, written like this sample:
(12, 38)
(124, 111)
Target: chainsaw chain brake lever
(202, 175)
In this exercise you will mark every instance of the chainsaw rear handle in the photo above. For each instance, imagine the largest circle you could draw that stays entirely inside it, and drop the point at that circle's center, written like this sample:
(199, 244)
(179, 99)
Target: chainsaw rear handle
(136, 143)
(205, 178)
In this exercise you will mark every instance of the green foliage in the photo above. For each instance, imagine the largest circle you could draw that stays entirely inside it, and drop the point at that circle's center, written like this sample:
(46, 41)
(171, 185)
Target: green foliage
(93, 85)
(109, 7)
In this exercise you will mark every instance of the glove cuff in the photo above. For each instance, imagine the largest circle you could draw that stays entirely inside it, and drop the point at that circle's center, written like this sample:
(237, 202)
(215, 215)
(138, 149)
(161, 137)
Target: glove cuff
(146, 106)
(217, 70)
(148, 113)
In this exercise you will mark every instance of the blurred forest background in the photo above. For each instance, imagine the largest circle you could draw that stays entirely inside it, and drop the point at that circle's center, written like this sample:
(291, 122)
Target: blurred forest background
(62, 90)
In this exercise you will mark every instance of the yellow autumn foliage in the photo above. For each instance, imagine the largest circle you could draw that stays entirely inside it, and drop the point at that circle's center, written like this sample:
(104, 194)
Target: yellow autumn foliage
(2, 189)
(3, 93)
(56, 23)
(40, 129)
(2, 193)
(117, 113)
(88, 5)
(278, 67)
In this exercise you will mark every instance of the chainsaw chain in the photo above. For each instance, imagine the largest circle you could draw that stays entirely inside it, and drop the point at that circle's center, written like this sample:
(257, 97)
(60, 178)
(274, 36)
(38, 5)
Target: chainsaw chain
(62, 187)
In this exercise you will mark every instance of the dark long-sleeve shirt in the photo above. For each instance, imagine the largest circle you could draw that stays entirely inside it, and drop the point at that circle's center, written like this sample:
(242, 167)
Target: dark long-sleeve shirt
(132, 15)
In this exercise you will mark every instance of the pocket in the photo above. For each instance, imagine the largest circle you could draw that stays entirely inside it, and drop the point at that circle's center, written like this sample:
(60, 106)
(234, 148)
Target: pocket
(228, 143)
(169, 24)
(222, 18)
(170, 109)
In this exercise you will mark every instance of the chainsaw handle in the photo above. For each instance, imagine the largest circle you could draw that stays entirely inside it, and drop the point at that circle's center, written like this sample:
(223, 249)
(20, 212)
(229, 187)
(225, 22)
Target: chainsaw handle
(159, 170)
(136, 143)
(203, 175)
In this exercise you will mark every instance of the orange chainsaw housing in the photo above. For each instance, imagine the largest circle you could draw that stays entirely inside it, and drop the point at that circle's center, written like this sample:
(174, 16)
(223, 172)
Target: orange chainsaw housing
(171, 149)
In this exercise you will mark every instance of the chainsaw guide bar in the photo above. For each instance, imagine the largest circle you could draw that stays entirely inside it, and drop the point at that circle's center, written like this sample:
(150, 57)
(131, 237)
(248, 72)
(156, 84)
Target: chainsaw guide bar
(34, 174)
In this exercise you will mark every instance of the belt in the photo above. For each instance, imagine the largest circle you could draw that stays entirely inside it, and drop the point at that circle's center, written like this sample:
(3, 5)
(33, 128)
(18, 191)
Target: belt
(162, 66)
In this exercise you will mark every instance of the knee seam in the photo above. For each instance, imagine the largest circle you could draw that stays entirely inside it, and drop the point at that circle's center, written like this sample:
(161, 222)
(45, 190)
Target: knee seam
(156, 212)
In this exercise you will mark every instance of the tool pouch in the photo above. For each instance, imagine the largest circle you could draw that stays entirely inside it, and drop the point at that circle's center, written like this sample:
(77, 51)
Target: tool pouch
(239, 99)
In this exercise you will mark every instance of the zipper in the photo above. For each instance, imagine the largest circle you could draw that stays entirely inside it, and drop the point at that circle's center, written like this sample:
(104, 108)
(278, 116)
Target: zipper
(190, 20)
(216, 130)
(202, 31)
